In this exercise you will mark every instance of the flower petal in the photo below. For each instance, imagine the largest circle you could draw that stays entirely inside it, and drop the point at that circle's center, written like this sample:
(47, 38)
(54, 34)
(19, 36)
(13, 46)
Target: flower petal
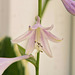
(50, 36)
(30, 44)
(36, 26)
(23, 37)
(48, 28)
(6, 62)
(45, 46)
(69, 5)
(37, 23)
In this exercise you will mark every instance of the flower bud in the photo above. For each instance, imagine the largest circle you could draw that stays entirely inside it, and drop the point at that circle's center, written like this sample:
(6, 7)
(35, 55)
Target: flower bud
(70, 6)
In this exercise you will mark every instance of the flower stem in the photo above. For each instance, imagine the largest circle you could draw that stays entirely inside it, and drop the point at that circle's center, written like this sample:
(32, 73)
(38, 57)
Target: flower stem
(39, 8)
(37, 67)
(38, 54)
(40, 14)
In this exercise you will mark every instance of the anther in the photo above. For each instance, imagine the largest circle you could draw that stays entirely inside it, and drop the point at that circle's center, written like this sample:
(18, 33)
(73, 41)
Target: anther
(38, 43)
(41, 46)
(41, 51)
(35, 41)
(30, 28)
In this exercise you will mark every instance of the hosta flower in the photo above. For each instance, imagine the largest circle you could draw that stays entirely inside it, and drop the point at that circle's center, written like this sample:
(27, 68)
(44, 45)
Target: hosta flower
(69, 5)
(6, 62)
(38, 37)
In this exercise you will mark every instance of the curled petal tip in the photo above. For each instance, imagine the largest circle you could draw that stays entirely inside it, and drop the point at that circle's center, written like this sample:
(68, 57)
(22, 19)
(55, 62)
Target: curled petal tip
(52, 26)
(59, 40)
(50, 55)
(49, 28)
(50, 36)
(62, 39)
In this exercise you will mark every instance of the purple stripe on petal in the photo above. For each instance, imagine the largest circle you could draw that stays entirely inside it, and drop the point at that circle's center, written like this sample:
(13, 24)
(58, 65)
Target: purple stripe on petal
(36, 26)
(50, 36)
(69, 5)
(73, 4)
(45, 46)
(23, 37)
(31, 44)
(48, 28)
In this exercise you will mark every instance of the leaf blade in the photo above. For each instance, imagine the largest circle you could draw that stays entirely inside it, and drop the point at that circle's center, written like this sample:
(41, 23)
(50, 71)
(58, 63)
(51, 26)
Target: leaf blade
(31, 59)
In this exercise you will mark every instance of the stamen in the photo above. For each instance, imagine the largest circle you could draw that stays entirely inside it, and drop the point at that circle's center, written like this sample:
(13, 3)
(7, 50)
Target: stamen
(30, 28)
(38, 43)
(41, 51)
(38, 46)
(41, 46)
(34, 41)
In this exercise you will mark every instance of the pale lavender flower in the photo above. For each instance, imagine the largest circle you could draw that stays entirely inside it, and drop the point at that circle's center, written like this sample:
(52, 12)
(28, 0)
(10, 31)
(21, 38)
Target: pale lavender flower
(6, 62)
(70, 6)
(38, 37)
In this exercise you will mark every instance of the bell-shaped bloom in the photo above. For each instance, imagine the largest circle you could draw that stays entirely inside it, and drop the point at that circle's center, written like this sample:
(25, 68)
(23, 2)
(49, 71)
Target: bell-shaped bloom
(38, 37)
(6, 62)
(70, 6)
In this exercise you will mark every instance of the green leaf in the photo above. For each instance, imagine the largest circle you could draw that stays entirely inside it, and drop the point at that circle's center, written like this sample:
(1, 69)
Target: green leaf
(22, 51)
(7, 50)
(32, 60)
